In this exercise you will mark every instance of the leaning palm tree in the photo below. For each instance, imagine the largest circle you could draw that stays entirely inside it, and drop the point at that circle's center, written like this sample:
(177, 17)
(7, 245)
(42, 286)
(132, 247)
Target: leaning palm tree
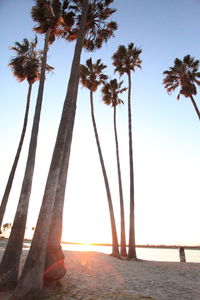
(25, 65)
(98, 30)
(32, 278)
(9, 267)
(184, 74)
(111, 91)
(126, 60)
(91, 77)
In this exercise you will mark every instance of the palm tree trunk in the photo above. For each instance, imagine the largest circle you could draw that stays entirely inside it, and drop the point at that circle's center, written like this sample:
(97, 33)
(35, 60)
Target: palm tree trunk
(9, 267)
(123, 234)
(54, 267)
(115, 245)
(14, 166)
(32, 277)
(132, 250)
(195, 106)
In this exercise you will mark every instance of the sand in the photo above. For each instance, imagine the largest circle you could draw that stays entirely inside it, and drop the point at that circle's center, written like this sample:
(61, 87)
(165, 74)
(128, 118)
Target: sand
(98, 276)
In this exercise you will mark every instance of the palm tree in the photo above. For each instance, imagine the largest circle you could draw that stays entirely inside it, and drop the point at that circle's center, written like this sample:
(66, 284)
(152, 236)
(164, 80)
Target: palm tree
(184, 74)
(91, 77)
(9, 267)
(98, 31)
(126, 60)
(21, 64)
(32, 277)
(111, 91)
(25, 65)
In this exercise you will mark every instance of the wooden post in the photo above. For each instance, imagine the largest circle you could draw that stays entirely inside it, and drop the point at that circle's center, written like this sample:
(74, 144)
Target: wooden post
(182, 254)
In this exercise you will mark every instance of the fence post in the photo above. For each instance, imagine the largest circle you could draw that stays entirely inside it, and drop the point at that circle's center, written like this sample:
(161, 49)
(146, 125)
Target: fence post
(182, 254)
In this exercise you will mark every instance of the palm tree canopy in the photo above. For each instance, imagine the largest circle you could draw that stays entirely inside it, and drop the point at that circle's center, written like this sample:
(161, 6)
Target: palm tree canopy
(64, 20)
(111, 91)
(127, 59)
(91, 75)
(98, 29)
(27, 62)
(48, 16)
(183, 74)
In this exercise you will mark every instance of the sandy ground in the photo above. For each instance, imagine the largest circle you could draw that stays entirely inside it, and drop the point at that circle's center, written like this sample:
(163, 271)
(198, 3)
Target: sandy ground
(97, 276)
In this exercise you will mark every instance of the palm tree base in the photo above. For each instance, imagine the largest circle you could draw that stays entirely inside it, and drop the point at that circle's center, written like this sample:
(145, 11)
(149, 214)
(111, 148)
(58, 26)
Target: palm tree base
(6, 285)
(123, 253)
(55, 265)
(32, 295)
(132, 256)
(133, 259)
(122, 257)
(116, 255)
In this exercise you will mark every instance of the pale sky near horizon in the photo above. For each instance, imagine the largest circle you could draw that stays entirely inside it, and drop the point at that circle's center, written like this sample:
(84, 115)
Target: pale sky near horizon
(166, 132)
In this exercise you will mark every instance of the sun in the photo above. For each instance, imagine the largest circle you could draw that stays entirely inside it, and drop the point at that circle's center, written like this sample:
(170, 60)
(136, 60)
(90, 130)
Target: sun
(86, 228)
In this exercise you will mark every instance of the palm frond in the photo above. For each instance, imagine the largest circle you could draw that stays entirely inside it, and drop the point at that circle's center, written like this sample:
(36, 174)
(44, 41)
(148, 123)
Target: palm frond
(47, 15)
(91, 75)
(98, 29)
(184, 74)
(127, 59)
(111, 91)
(27, 62)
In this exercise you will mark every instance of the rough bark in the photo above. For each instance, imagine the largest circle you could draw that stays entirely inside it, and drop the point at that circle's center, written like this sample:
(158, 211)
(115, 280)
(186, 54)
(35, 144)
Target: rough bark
(9, 271)
(54, 267)
(16, 159)
(32, 277)
(195, 106)
(132, 250)
(123, 251)
(115, 245)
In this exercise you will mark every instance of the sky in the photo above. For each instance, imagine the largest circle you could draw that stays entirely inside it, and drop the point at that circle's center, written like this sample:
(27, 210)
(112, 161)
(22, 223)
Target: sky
(166, 132)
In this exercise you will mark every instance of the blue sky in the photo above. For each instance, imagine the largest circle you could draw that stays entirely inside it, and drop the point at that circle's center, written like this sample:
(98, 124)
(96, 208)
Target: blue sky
(166, 132)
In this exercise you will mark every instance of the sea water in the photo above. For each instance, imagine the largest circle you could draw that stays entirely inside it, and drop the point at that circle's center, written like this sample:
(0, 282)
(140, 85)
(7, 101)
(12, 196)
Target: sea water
(156, 254)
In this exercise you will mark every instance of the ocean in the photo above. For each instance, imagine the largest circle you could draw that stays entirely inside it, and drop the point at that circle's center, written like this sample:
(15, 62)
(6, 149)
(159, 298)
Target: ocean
(156, 254)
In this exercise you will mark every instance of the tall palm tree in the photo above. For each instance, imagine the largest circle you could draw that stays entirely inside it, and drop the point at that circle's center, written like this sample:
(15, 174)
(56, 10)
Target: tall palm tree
(32, 277)
(91, 77)
(9, 267)
(98, 30)
(111, 91)
(184, 74)
(126, 60)
(25, 65)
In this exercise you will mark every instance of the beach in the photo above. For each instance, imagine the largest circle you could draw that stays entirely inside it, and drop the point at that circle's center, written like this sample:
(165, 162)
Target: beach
(97, 276)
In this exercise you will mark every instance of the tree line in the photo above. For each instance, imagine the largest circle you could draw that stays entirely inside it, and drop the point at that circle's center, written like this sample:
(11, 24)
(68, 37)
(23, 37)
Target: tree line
(88, 24)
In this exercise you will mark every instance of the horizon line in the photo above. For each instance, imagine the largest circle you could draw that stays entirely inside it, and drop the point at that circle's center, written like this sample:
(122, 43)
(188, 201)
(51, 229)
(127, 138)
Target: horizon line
(138, 246)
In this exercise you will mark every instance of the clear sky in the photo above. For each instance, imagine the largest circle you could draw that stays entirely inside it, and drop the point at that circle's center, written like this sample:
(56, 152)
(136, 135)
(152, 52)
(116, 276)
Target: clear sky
(166, 132)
